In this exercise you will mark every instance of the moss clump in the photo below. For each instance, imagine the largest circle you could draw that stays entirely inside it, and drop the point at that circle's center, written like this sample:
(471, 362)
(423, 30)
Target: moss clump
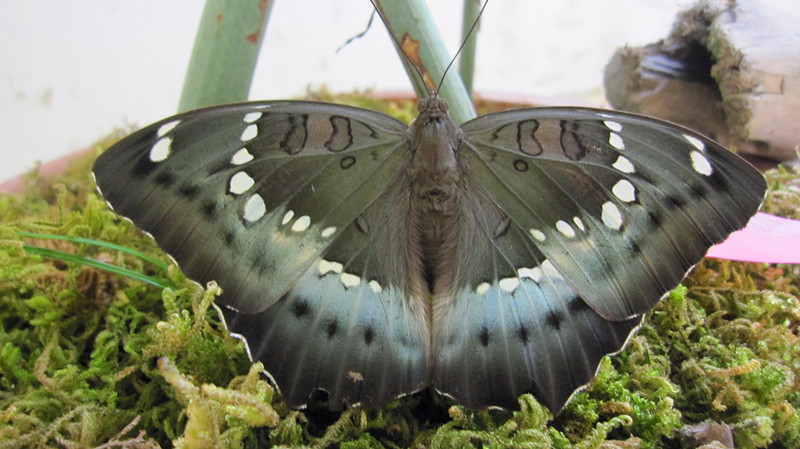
(88, 358)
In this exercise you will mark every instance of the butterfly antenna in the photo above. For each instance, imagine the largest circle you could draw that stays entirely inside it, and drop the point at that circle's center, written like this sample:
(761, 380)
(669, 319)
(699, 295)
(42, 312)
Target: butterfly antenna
(397, 43)
(463, 44)
(359, 35)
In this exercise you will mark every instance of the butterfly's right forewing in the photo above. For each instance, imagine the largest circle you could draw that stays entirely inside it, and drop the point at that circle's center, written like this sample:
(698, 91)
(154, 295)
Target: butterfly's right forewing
(251, 195)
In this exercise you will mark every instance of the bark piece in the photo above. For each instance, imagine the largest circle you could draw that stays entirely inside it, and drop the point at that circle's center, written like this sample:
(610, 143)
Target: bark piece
(731, 70)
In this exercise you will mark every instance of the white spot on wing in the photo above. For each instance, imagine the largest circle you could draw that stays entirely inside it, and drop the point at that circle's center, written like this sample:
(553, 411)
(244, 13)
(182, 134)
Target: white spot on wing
(350, 280)
(611, 216)
(697, 143)
(251, 117)
(287, 217)
(326, 266)
(537, 234)
(329, 231)
(249, 133)
(624, 165)
(241, 157)
(525, 272)
(254, 208)
(161, 149)
(700, 163)
(624, 190)
(167, 127)
(482, 288)
(616, 141)
(301, 224)
(565, 228)
(534, 273)
(509, 284)
(612, 125)
(240, 183)
(550, 270)
(579, 223)
(375, 286)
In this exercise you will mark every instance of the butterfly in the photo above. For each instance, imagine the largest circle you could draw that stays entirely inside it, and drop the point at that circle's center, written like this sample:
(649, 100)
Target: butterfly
(369, 259)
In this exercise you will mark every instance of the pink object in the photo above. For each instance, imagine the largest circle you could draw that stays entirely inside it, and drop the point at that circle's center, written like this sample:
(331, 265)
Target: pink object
(766, 238)
(52, 168)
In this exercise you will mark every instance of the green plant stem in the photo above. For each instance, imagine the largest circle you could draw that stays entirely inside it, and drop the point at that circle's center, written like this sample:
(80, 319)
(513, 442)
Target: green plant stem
(225, 52)
(410, 21)
(466, 60)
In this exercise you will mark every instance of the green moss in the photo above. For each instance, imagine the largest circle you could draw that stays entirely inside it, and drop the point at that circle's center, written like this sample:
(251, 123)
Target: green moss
(88, 358)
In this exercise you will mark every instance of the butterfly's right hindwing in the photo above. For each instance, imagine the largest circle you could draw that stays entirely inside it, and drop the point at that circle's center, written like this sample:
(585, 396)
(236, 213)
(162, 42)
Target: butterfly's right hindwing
(251, 195)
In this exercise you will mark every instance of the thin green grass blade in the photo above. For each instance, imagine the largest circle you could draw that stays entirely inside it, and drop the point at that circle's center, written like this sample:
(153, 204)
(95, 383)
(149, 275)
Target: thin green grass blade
(89, 262)
(99, 243)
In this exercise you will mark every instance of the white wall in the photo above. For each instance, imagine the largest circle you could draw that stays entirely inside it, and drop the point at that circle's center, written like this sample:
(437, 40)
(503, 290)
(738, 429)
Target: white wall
(70, 72)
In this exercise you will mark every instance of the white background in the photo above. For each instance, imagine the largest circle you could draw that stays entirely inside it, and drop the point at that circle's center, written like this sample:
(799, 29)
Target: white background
(71, 72)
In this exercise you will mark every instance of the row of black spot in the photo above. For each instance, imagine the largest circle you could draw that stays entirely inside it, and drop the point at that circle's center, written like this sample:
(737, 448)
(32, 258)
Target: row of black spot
(301, 308)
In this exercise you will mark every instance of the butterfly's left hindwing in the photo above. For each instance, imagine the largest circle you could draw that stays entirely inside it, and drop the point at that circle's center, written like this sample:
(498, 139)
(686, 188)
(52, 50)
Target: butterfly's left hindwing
(251, 195)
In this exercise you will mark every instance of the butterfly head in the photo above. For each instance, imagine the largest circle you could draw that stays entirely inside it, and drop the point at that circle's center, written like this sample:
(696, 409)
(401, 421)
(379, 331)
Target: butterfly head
(433, 124)
(433, 105)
